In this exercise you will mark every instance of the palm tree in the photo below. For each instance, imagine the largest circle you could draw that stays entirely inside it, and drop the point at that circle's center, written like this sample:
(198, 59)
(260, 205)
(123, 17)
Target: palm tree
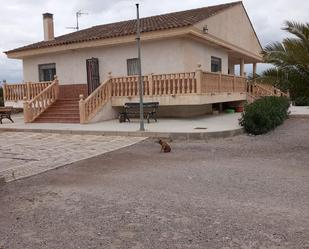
(290, 59)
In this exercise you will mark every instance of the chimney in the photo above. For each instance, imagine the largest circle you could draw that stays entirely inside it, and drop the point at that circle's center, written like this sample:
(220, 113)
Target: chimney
(48, 25)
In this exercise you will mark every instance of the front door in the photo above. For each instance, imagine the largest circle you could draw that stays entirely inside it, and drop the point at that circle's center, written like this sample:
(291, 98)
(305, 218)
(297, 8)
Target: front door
(93, 76)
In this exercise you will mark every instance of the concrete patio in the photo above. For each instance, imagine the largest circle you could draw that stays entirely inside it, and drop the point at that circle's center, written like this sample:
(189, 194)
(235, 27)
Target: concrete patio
(299, 111)
(200, 127)
(204, 127)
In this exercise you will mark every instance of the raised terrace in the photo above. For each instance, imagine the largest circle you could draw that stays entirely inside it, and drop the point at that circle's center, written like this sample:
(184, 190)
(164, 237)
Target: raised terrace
(181, 89)
(195, 92)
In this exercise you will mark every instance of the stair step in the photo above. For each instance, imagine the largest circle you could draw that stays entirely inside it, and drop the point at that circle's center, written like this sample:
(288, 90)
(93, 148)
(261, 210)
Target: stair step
(60, 115)
(66, 103)
(64, 106)
(65, 110)
(68, 99)
(57, 120)
(58, 112)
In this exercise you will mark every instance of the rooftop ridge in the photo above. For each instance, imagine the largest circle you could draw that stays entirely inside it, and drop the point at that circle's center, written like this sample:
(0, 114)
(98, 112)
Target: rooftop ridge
(159, 22)
(174, 12)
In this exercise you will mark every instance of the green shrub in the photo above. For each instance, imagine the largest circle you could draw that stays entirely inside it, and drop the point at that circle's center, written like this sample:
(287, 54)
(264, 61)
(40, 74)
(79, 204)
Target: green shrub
(1, 97)
(264, 114)
(302, 101)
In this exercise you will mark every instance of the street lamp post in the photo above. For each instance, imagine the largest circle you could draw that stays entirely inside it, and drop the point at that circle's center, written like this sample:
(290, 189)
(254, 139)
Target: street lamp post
(140, 79)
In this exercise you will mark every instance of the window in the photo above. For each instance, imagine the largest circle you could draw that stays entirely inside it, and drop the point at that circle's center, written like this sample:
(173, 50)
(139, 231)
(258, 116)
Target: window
(132, 66)
(47, 72)
(216, 64)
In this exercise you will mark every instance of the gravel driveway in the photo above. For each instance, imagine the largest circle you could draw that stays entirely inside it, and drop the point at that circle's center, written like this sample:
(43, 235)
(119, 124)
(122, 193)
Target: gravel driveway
(242, 192)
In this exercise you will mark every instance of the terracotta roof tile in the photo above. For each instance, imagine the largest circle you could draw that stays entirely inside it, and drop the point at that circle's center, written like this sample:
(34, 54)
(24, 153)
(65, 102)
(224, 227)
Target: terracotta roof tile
(124, 28)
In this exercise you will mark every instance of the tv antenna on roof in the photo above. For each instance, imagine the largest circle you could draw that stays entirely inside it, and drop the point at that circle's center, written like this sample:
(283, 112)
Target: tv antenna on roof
(78, 15)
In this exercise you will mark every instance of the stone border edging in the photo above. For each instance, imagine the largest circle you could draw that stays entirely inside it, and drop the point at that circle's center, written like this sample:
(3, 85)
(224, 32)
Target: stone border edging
(150, 134)
(2, 180)
(299, 115)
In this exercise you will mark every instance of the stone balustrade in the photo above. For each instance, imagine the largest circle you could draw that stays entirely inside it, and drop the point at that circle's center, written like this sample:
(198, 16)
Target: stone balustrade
(37, 105)
(256, 90)
(19, 92)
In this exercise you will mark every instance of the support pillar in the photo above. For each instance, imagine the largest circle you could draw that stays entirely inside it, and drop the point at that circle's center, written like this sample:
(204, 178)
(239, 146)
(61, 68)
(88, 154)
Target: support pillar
(254, 70)
(231, 68)
(242, 67)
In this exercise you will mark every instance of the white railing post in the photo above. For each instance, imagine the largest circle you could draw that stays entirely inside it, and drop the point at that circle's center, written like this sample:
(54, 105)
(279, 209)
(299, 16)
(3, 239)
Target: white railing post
(4, 91)
(110, 87)
(82, 109)
(199, 78)
(27, 114)
(28, 93)
(220, 82)
(56, 86)
(234, 83)
(150, 82)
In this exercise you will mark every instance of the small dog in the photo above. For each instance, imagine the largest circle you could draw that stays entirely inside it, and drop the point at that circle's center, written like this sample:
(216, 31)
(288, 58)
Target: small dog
(165, 147)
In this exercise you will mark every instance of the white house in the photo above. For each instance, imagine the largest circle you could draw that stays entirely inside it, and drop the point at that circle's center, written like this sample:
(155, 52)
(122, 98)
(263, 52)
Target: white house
(207, 42)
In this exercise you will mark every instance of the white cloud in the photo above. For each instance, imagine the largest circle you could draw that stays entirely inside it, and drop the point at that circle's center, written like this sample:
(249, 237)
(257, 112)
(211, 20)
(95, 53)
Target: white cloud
(21, 21)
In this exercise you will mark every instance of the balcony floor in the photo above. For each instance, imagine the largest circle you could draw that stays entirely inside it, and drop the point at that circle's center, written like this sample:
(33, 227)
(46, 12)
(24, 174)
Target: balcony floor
(179, 100)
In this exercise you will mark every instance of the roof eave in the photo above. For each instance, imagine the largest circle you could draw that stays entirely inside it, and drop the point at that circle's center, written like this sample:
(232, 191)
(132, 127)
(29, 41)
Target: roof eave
(208, 38)
(154, 35)
(148, 36)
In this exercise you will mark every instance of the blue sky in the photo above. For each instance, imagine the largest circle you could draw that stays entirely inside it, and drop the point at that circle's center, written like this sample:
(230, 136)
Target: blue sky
(21, 20)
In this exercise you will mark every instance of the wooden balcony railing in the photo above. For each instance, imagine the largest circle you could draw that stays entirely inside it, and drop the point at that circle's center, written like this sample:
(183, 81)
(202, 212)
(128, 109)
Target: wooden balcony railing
(19, 92)
(89, 107)
(38, 104)
(173, 84)
(221, 83)
(198, 82)
(191, 83)
(128, 86)
(256, 90)
(155, 85)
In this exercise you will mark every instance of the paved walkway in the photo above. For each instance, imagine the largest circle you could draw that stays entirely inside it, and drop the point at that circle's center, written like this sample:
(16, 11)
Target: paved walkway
(26, 154)
(299, 111)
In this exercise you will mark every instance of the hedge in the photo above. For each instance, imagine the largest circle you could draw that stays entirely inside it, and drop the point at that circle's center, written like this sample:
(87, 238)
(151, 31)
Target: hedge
(1, 97)
(264, 114)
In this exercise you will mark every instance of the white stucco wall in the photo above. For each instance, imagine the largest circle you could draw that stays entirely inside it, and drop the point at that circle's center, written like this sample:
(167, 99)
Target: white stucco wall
(233, 25)
(164, 56)
(199, 53)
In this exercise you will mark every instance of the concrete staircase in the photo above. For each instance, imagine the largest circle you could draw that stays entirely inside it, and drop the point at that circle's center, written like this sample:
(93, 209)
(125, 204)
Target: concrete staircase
(256, 91)
(64, 110)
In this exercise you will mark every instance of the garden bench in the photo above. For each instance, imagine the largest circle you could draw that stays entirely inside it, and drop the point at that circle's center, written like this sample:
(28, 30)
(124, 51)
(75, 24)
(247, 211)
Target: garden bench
(5, 112)
(132, 109)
